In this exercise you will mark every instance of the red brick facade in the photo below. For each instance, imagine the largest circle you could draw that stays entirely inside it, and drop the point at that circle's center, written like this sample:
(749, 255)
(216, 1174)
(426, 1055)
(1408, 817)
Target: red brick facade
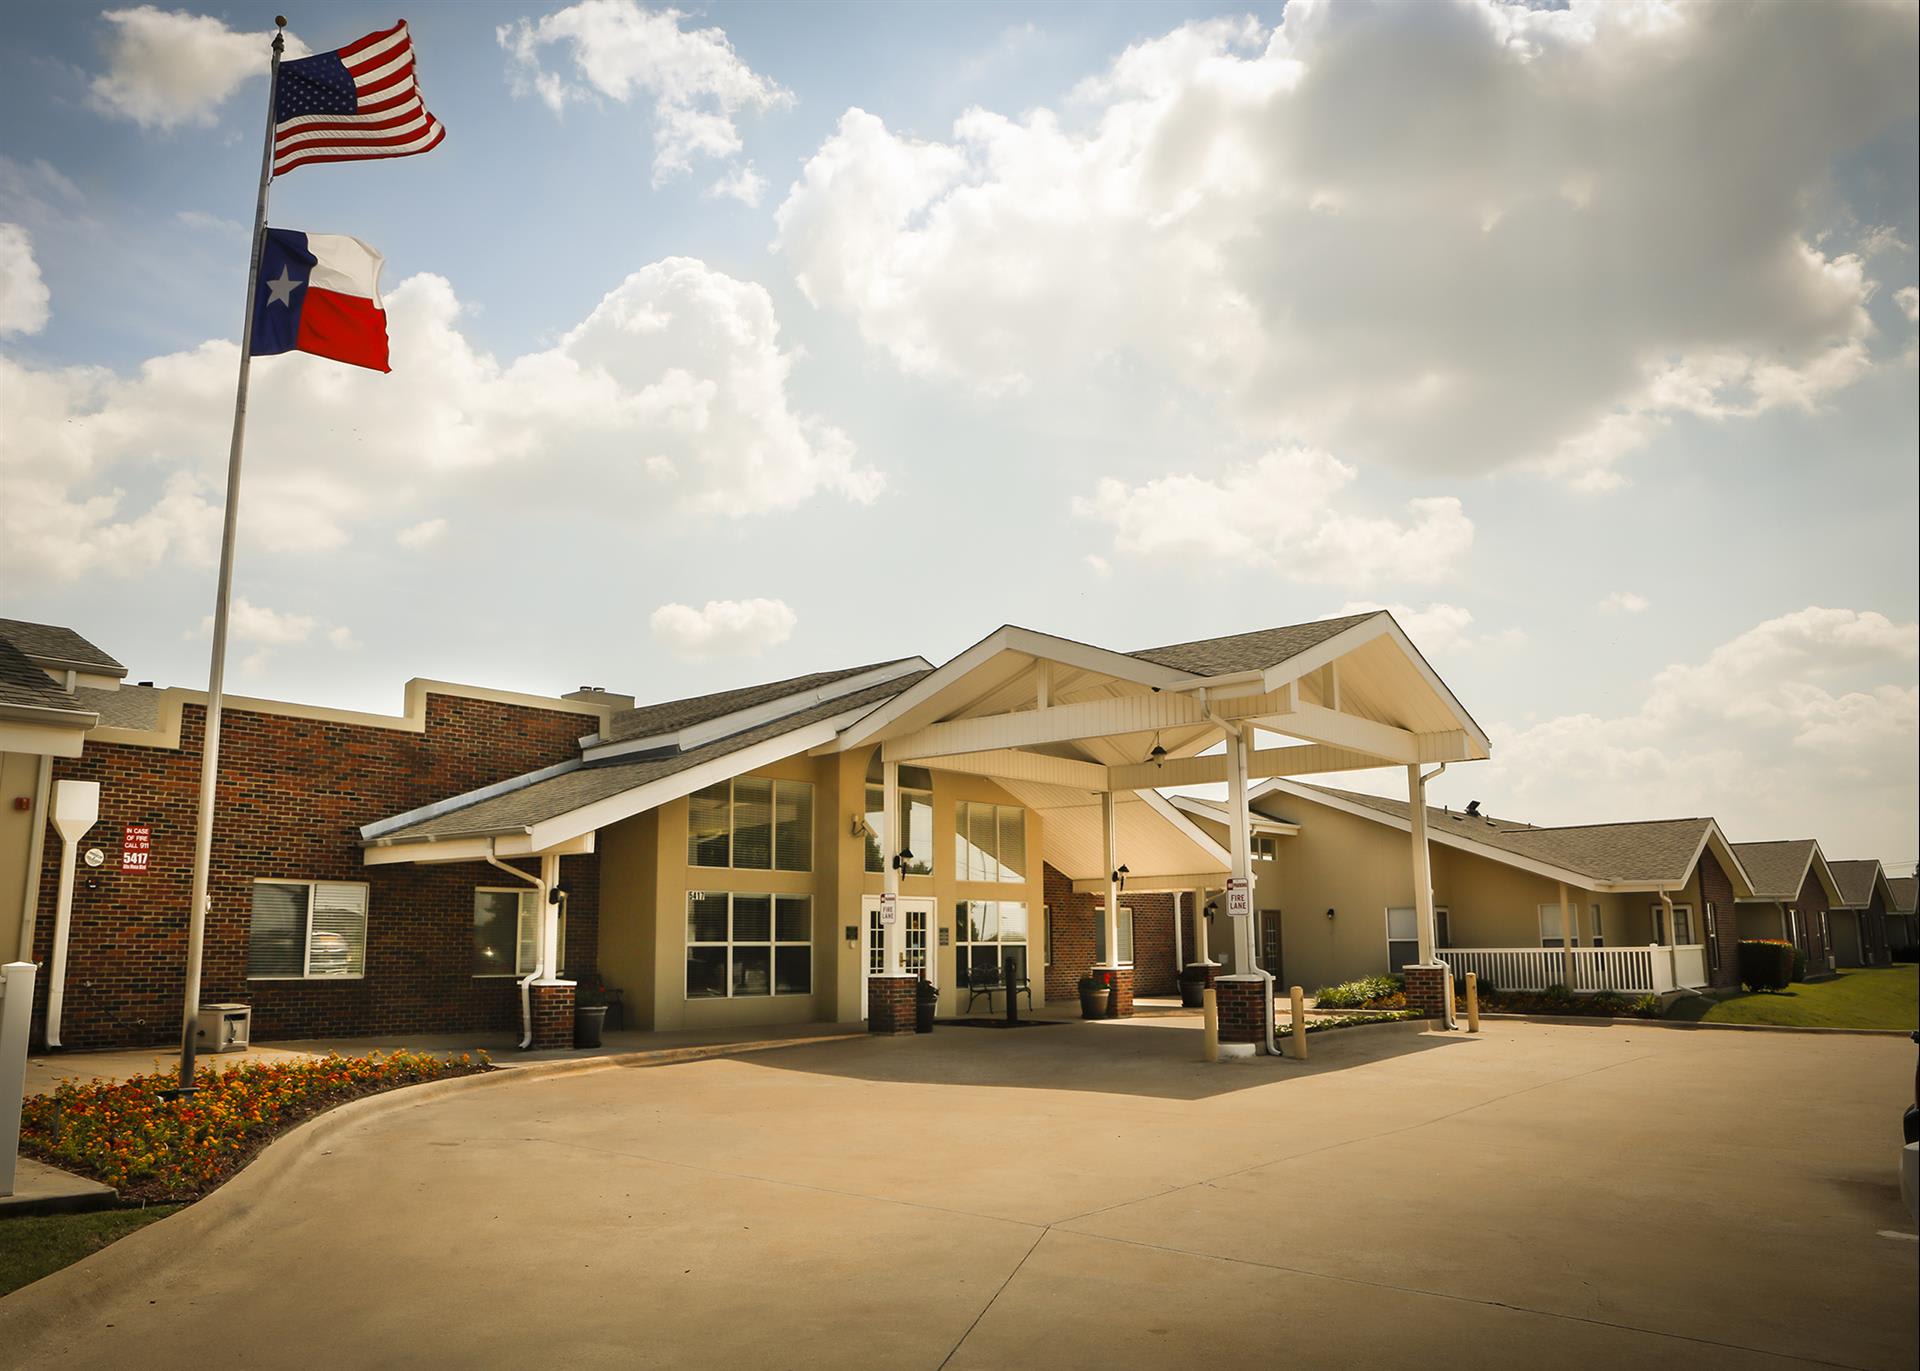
(1723, 938)
(1073, 947)
(1813, 908)
(552, 1016)
(293, 793)
(892, 1002)
(1116, 979)
(1243, 1008)
(1426, 989)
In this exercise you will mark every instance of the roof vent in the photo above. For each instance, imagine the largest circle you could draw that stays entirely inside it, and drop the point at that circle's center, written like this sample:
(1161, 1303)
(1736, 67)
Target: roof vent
(1473, 808)
(598, 695)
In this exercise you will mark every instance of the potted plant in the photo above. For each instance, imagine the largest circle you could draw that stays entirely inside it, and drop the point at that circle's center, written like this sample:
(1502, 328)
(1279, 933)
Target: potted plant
(926, 1000)
(1093, 998)
(1193, 986)
(589, 1012)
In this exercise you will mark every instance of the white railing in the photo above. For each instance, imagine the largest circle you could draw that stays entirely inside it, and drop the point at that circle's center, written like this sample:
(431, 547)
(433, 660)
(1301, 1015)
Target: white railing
(1624, 970)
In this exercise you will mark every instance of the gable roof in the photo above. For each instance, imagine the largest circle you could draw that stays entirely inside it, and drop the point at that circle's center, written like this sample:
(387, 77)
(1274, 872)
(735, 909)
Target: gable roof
(1905, 890)
(1643, 854)
(26, 689)
(1256, 651)
(51, 645)
(1779, 868)
(1856, 879)
(645, 720)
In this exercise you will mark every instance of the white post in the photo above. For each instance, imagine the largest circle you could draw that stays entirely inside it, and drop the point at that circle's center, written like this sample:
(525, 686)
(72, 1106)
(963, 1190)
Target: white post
(1179, 954)
(1673, 958)
(1422, 866)
(1240, 842)
(16, 1023)
(549, 917)
(1110, 845)
(1200, 926)
(890, 934)
(1566, 934)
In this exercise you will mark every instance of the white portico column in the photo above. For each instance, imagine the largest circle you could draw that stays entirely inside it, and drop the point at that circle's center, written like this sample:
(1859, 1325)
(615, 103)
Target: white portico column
(1200, 926)
(1666, 917)
(1426, 983)
(1240, 846)
(1244, 998)
(1567, 933)
(1110, 845)
(891, 935)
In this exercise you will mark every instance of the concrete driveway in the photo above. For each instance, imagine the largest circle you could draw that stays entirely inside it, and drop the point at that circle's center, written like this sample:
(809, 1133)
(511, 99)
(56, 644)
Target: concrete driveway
(1071, 1196)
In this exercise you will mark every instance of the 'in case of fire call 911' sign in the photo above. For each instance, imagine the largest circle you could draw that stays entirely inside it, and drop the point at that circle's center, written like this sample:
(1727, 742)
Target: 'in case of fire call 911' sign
(136, 846)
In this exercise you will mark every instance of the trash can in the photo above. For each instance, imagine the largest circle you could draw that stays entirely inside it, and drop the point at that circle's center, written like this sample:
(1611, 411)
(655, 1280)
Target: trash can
(1193, 987)
(588, 1020)
(926, 1000)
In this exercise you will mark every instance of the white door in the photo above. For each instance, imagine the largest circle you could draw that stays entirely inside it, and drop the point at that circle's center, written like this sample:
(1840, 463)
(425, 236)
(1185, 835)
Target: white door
(915, 931)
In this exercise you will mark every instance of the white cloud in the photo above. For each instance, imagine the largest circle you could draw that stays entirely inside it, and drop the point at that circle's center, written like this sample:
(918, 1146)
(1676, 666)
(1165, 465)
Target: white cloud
(251, 623)
(677, 364)
(23, 295)
(1439, 630)
(696, 82)
(167, 67)
(1099, 565)
(423, 534)
(1805, 725)
(745, 185)
(342, 638)
(722, 628)
(1280, 512)
(1452, 237)
(1624, 602)
(1908, 298)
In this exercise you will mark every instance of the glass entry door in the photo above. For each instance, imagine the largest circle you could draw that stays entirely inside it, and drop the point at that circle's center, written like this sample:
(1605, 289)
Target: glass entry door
(915, 931)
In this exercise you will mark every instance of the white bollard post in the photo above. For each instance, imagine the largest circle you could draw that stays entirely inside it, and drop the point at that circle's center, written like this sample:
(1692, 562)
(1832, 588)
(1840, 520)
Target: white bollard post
(16, 1022)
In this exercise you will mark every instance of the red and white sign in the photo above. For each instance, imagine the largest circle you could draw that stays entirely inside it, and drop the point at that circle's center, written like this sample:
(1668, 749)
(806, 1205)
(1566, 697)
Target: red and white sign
(888, 905)
(1239, 897)
(136, 846)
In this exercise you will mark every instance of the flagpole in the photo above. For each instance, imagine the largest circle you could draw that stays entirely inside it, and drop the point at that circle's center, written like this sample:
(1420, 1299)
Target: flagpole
(223, 595)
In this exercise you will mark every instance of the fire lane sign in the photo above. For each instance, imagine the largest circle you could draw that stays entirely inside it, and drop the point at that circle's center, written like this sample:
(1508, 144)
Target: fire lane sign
(1239, 898)
(136, 847)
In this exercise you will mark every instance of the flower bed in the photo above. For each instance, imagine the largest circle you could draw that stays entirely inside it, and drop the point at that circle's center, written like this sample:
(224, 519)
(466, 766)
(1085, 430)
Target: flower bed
(123, 1134)
(1602, 1006)
(1322, 1025)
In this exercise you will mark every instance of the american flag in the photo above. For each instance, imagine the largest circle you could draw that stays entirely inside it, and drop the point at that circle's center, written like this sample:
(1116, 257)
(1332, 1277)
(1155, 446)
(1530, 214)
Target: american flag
(357, 102)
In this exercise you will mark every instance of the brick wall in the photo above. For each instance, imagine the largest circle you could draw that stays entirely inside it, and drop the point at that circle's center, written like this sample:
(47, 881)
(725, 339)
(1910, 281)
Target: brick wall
(1074, 923)
(552, 1012)
(293, 793)
(1716, 889)
(1242, 1006)
(1812, 905)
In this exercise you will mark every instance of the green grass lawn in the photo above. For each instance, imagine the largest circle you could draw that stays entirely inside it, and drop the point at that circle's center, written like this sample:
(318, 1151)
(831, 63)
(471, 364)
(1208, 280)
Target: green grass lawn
(1863, 997)
(34, 1245)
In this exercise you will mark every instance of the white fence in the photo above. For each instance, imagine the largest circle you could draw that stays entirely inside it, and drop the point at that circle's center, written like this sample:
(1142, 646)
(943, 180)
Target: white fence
(1624, 970)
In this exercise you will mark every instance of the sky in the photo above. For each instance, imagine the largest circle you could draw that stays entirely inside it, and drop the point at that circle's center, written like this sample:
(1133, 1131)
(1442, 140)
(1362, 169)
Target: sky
(750, 340)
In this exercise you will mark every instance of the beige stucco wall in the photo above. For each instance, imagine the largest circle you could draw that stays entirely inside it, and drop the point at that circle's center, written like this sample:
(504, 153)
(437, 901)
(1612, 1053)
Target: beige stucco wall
(645, 879)
(19, 776)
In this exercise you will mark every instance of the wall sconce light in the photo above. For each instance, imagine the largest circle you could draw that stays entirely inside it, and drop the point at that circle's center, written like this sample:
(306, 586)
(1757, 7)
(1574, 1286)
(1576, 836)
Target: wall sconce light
(1120, 877)
(1212, 909)
(901, 859)
(1329, 916)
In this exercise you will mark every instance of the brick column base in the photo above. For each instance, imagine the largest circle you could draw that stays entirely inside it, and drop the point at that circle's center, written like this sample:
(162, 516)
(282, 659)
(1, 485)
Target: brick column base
(1242, 1002)
(1110, 975)
(1427, 990)
(891, 1003)
(552, 1016)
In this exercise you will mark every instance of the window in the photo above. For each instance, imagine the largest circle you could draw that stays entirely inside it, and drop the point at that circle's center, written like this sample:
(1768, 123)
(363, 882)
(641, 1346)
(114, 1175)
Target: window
(991, 842)
(1403, 938)
(1589, 936)
(307, 930)
(1682, 925)
(987, 932)
(743, 946)
(1266, 847)
(916, 818)
(506, 931)
(751, 823)
(1713, 939)
(1100, 936)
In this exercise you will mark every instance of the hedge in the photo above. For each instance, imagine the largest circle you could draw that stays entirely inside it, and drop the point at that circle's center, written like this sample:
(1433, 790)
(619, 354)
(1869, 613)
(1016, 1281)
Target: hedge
(1767, 963)
(1355, 994)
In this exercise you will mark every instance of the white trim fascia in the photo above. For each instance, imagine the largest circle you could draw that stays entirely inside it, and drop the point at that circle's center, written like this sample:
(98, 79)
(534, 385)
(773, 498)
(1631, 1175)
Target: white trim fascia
(1155, 885)
(740, 720)
(41, 740)
(1724, 854)
(1010, 638)
(470, 848)
(372, 831)
(1199, 808)
(1383, 622)
(1827, 882)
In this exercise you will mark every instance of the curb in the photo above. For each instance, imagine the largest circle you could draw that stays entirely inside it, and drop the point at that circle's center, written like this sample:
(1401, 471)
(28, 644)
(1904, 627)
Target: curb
(1702, 1027)
(67, 1297)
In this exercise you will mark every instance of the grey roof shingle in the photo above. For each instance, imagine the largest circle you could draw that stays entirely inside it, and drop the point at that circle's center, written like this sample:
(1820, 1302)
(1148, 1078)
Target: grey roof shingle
(646, 720)
(1855, 879)
(25, 686)
(1254, 651)
(1650, 850)
(1776, 868)
(593, 781)
(1906, 889)
(127, 707)
(57, 644)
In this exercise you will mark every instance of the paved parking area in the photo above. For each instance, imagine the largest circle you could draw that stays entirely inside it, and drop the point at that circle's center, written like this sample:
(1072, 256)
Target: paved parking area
(1073, 1196)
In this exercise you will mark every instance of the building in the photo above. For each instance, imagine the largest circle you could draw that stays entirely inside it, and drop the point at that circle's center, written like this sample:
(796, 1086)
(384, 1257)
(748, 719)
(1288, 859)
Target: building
(1793, 890)
(1858, 917)
(1650, 903)
(799, 850)
(1902, 932)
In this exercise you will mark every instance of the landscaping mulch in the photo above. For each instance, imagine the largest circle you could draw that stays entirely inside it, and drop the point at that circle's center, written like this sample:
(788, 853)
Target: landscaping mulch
(151, 1149)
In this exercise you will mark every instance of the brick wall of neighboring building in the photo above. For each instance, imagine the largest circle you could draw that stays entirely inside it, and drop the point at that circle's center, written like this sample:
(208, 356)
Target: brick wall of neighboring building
(293, 793)
(1716, 889)
(1873, 932)
(1813, 907)
(1073, 926)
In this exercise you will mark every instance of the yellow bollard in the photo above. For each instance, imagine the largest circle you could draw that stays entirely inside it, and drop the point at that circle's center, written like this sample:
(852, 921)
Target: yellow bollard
(1299, 1006)
(1210, 1025)
(1473, 1002)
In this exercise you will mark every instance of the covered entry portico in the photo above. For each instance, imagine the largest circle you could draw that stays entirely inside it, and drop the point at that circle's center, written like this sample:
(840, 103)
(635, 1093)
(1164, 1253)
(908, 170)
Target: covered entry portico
(1029, 709)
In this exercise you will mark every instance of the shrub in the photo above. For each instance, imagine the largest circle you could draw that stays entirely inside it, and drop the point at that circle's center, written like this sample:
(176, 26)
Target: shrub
(1799, 965)
(1558, 995)
(1353, 994)
(1767, 963)
(1606, 1002)
(1484, 984)
(124, 1134)
(1646, 1007)
(1322, 1025)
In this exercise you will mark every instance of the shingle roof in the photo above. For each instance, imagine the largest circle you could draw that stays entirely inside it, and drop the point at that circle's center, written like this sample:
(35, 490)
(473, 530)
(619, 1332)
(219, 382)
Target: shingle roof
(593, 781)
(1906, 889)
(1855, 879)
(646, 720)
(1651, 850)
(127, 707)
(1777, 868)
(56, 644)
(25, 686)
(1248, 651)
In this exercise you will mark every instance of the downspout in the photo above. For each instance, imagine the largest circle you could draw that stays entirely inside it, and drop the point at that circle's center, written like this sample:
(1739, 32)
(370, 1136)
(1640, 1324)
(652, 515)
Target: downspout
(76, 808)
(526, 982)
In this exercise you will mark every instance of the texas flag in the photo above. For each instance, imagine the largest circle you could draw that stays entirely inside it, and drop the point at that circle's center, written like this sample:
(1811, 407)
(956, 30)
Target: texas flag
(320, 293)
